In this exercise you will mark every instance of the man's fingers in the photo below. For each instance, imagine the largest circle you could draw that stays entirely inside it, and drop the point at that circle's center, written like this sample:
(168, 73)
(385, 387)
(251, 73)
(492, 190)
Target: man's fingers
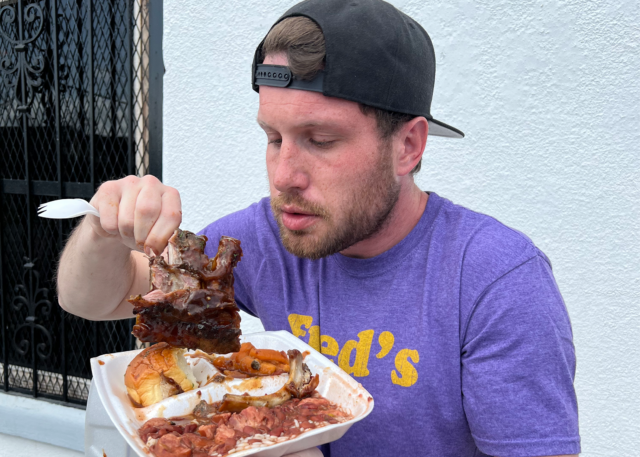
(128, 205)
(147, 212)
(143, 212)
(106, 201)
(169, 220)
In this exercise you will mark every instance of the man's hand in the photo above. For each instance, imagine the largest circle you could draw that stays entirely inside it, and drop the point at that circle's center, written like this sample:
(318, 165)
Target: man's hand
(99, 267)
(141, 212)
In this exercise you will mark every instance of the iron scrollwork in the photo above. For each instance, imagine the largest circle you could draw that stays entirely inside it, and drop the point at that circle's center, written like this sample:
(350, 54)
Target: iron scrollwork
(24, 75)
(32, 298)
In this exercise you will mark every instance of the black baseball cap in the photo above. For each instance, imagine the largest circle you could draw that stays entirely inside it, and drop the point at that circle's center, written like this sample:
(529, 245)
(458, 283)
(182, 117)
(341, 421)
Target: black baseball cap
(375, 55)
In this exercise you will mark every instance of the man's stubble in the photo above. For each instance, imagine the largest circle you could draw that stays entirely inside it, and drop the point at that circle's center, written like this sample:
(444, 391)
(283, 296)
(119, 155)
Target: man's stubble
(367, 211)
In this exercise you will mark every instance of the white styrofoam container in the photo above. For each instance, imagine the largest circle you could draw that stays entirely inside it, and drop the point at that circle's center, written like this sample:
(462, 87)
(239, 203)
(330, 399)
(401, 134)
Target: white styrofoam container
(335, 385)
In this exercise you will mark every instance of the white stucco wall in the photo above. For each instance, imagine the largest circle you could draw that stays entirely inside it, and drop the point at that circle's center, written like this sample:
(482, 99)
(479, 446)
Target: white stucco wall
(548, 94)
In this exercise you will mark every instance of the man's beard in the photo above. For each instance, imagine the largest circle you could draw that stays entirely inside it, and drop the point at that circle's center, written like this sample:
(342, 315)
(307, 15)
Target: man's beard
(368, 210)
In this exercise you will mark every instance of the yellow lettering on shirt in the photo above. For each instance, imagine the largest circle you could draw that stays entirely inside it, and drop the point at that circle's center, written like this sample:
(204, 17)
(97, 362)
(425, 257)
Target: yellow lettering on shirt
(386, 340)
(314, 337)
(329, 346)
(362, 347)
(406, 370)
(297, 321)
(404, 375)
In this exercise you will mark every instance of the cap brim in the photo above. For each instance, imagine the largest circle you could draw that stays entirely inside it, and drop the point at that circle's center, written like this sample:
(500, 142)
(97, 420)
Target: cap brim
(437, 128)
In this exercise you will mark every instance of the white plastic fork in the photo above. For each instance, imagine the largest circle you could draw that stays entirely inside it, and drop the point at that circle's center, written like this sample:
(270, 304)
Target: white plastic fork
(66, 209)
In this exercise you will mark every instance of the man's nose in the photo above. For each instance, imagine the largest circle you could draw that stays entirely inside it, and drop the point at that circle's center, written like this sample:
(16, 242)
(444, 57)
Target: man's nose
(290, 171)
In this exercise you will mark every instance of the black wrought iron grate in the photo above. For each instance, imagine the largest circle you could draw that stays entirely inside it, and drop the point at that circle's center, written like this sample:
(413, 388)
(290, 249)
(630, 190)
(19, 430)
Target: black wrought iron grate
(80, 103)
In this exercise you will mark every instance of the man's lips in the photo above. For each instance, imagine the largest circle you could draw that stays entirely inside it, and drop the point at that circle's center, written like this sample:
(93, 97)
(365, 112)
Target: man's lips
(296, 219)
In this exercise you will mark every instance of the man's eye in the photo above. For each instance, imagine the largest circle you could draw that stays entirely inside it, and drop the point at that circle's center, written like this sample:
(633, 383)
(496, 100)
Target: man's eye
(277, 142)
(321, 144)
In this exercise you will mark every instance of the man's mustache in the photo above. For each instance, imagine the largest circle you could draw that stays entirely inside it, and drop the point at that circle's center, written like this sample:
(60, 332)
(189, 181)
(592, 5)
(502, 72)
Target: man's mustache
(296, 200)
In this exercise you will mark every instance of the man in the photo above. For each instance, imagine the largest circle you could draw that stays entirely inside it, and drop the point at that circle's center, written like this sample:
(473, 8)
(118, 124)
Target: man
(451, 320)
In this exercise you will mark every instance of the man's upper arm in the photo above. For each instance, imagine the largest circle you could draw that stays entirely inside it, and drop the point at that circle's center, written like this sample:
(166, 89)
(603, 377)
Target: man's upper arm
(518, 365)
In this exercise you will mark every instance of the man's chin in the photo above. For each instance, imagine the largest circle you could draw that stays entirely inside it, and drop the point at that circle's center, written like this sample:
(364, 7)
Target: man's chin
(304, 244)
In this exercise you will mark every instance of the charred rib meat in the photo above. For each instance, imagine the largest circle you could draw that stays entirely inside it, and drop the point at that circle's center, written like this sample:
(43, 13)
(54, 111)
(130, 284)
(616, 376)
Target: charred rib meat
(191, 303)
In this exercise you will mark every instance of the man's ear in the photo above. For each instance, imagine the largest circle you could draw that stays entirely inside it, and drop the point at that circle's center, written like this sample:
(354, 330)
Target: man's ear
(412, 139)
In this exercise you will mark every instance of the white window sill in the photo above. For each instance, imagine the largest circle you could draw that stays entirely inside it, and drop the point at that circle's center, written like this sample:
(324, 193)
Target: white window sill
(14, 446)
(42, 421)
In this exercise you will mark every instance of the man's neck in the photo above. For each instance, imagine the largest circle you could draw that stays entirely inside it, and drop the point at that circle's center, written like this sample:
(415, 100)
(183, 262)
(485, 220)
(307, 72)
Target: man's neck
(403, 218)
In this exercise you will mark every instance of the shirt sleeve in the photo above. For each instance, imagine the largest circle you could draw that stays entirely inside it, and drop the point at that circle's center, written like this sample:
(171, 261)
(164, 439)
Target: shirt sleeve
(518, 367)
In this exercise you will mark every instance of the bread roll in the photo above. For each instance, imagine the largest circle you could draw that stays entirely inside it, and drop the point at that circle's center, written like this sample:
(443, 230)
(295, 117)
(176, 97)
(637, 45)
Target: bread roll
(156, 373)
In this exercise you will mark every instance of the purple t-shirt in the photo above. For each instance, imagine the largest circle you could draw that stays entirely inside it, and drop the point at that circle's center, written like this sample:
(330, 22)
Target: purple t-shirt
(459, 332)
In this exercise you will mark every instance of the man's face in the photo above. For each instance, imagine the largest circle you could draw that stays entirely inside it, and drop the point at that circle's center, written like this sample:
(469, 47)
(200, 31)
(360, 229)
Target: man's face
(332, 180)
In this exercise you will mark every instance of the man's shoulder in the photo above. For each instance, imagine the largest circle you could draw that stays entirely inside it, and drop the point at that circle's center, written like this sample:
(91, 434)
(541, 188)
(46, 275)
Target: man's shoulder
(483, 242)
(483, 251)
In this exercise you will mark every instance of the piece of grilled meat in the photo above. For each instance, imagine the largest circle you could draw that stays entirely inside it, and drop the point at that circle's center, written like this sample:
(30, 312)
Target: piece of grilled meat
(191, 303)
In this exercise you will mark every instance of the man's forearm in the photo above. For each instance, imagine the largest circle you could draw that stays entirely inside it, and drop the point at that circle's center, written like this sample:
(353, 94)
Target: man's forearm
(95, 275)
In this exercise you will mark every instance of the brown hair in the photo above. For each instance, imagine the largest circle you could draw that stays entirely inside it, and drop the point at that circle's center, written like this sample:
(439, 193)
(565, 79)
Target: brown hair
(302, 41)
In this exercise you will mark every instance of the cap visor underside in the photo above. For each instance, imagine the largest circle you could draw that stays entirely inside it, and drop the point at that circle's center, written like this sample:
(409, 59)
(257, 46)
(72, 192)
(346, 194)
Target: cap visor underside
(437, 128)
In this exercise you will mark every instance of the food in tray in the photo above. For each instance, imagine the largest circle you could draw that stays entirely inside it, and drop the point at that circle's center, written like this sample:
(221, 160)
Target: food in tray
(300, 384)
(248, 362)
(190, 292)
(191, 303)
(161, 371)
(240, 422)
(191, 306)
(208, 433)
(156, 373)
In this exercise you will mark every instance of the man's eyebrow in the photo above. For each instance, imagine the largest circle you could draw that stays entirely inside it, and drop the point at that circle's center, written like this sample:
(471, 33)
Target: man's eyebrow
(329, 124)
(317, 124)
(264, 125)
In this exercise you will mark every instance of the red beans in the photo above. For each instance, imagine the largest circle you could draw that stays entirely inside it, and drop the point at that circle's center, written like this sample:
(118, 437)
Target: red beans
(205, 434)
(250, 431)
(277, 431)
